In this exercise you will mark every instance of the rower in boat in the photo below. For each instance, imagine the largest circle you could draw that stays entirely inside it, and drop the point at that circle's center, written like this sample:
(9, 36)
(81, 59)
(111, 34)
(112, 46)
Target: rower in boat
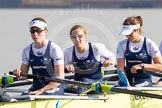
(159, 83)
(84, 58)
(45, 58)
(137, 51)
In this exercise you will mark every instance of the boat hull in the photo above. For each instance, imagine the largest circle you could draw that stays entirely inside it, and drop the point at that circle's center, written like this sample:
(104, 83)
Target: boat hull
(113, 100)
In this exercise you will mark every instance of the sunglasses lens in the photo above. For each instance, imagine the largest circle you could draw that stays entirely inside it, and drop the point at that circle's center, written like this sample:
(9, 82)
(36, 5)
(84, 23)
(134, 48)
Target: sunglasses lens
(32, 31)
(36, 30)
(39, 30)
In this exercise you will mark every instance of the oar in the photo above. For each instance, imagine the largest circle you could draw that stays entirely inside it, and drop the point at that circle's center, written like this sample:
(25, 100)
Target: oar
(104, 72)
(12, 81)
(15, 90)
(20, 83)
(83, 67)
(158, 74)
(64, 81)
(113, 71)
(109, 88)
(132, 92)
(96, 86)
(6, 80)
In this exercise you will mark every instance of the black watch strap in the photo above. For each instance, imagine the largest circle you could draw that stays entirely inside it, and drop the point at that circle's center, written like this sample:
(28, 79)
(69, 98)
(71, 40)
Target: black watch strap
(142, 66)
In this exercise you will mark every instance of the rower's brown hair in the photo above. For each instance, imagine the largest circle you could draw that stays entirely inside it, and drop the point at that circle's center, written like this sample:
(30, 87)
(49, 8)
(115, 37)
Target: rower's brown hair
(40, 19)
(133, 20)
(79, 27)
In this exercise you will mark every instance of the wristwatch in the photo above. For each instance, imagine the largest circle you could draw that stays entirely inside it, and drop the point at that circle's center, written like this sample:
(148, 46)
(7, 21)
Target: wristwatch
(142, 66)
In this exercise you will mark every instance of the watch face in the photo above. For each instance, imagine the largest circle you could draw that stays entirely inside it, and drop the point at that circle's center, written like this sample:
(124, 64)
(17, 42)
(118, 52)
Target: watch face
(142, 64)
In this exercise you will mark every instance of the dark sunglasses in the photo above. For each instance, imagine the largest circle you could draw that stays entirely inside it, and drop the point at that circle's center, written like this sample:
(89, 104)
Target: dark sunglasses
(32, 31)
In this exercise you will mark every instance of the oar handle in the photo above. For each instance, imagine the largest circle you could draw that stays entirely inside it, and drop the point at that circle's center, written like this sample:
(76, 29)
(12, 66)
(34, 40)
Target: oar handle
(158, 74)
(11, 73)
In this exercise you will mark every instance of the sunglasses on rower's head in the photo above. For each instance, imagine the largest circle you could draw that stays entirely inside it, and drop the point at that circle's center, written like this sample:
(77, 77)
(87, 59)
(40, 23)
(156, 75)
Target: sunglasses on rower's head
(75, 36)
(32, 31)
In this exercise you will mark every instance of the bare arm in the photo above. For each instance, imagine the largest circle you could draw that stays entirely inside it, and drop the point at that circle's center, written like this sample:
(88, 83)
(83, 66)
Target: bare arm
(23, 70)
(59, 69)
(153, 67)
(157, 66)
(120, 64)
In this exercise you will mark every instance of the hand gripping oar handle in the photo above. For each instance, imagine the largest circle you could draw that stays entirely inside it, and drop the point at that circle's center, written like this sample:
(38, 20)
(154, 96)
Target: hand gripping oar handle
(158, 74)
(64, 81)
(83, 67)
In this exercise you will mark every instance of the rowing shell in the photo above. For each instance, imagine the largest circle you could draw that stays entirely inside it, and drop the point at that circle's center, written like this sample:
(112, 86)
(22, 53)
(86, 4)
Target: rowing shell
(115, 98)
(110, 100)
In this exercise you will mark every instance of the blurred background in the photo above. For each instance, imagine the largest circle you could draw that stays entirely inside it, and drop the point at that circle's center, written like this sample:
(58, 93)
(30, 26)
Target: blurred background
(79, 3)
(102, 18)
